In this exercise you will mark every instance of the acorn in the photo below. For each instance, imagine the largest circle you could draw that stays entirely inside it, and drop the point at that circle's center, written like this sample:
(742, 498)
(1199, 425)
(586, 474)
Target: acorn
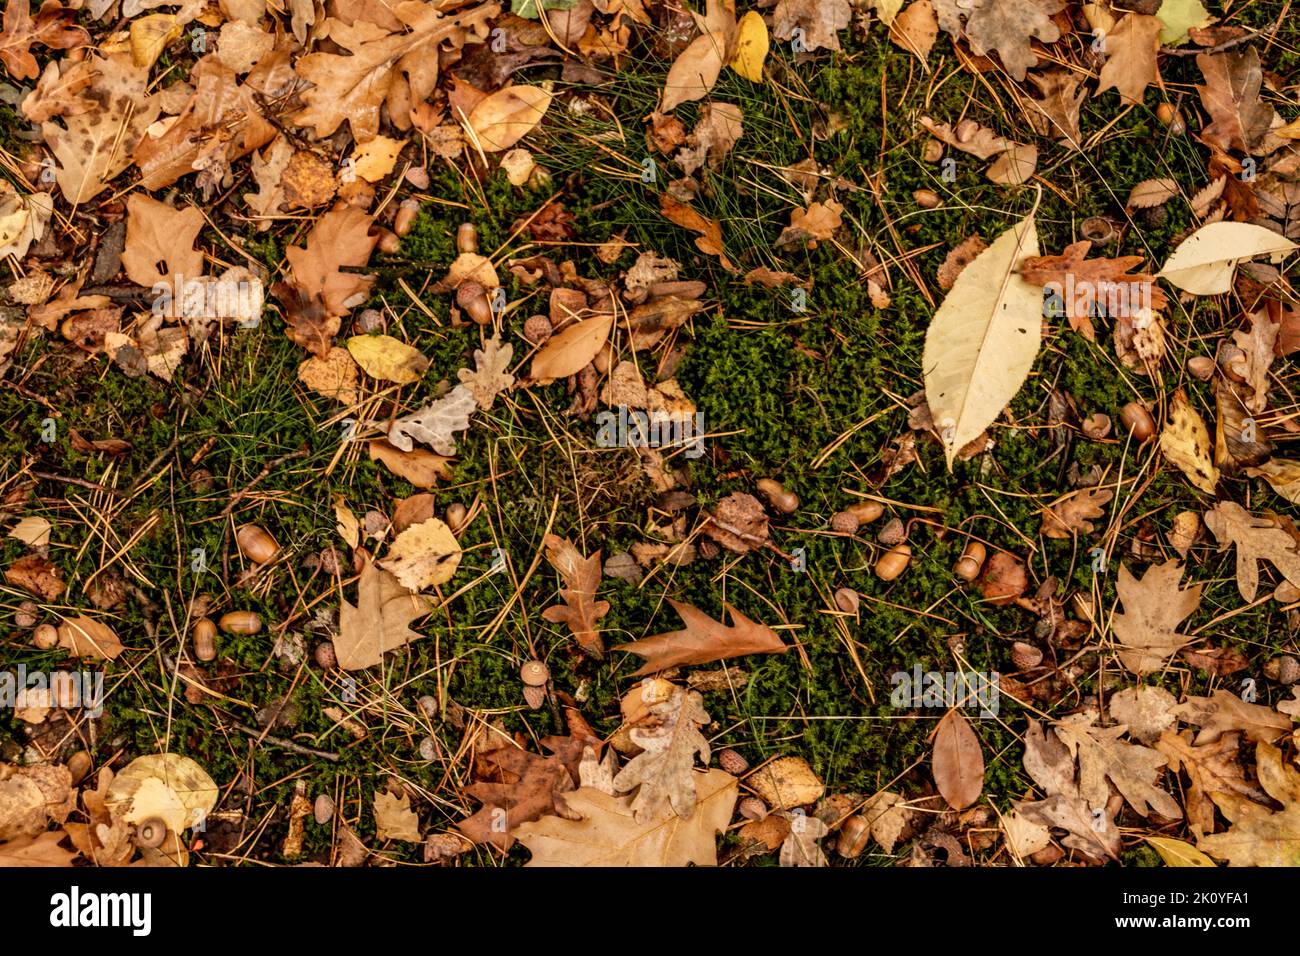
(1171, 116)
(538, 329)
(1096, 426)
(894, 532)
(325, 656)
(847, 600)
(204, 636)
(866, 511)
(45, 636)
(534, 697)
(854, 834)
(240, 622)
(926, 198)
(1284, 669)
(405, 218)
(786, 502)
(971, 562)
(389, 242)
(893, 562)
(604, 358)
(752, 808)
(27, 614)
(323, 808)
(428, 705)
(844, 522)
(1025, 656)
(255, 544)
(79, 765)
(1232, 359)
(534, 673)
(1200, 367)
(732, 762)
(472, 298)
(456, 515)
(201, 480)
(467, 237)
(150, 833)
(1138, 421)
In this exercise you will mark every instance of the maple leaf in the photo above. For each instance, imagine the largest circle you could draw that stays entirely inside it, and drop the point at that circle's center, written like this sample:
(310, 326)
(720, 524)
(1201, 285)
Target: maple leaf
(703, 640)
(320, 293)
(1240, 121)
(663, 773)
(1226, 711)
(384, 67)
(1131, 64)
(491, 375)
(1153, 608)
(1260, 836)
(581, 612)
(1212, 768)
(380, 620)
(1071, 515)
(1131, 768)
(52, 27)
(1006, 26)
(159, 235)
(522, 787)
(1084, 284)
(609, 834)
(1256, 539)
(94, 146)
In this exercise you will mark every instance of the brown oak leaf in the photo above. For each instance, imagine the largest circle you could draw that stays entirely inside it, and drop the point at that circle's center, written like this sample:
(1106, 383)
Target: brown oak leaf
(703, 640)
(580, 610)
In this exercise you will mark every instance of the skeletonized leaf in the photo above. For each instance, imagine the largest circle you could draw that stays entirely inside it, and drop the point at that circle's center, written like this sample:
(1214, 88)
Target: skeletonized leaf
(437, 423)
(1204, 262)
(982, 342)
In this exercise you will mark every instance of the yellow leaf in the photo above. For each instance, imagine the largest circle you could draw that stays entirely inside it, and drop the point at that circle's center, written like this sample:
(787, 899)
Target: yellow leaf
(982, 342)
(169, 787)
(384, 357)
(1282, 475)
(1179, 853)
(150, 36)
(507, 116)
(375, 159)
(751, 47)
(1185, 441)
(425, 555)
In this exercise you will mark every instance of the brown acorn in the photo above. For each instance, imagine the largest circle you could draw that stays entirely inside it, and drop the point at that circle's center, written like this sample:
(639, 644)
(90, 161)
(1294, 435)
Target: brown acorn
(472, 298)
(204, 636)
(256, 544)
(893, 562)
(854, 834)
(971, 562)
(240, 622)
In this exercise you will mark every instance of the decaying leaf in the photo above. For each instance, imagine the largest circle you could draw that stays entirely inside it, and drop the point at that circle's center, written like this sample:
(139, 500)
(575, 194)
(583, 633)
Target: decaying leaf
(1154, 607)
(423, 556)
(436, 424)
(1260, 835)
(491, 375)
(1185, 441)
(581, 610)
(394, 818)
(1256, 539)
(663, 774)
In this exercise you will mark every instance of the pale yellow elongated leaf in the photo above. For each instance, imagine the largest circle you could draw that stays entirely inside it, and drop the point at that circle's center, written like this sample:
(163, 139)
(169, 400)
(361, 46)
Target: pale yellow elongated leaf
(1185, 441)
(982, 342)
(751, 47)
(1204, 262)
(1178, 852)
(504, 118)
(423, 556)
(569, 352)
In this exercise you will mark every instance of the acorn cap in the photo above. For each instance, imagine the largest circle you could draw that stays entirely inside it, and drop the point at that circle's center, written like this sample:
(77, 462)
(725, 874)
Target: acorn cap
(534, 673)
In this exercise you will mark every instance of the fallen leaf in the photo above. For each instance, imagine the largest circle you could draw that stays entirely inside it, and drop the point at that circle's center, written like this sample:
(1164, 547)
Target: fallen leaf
(581, 611)
(983, 340)
(52, 27)
(751, 47)
(169, 787)
(1258, 835)
(703, 640)
(87, 638)
(387, 358)
(1145, 710)
(507, 116)
(709, 240)
(1006, 27)
(572, 350)
(1240, 120)
(915, 29)
(419, 466)
(817, 22)
(1212, 768)
(1256, 539)
(1072, 515)
(380, 620)
(423, 556)
(491, 375)
(159, 236)
(663, 774)
(436, 424)
(1179, 852)
(516, 787)
(1105, 760)
(1226, 711)
(800, 845)
(333, 376)
(1151, 192)
(1204, 262)
(31, 530)
(1131, 61)
(786, 783)
(958, 762)
(610, 835)
(1185, 441)
(394, 818)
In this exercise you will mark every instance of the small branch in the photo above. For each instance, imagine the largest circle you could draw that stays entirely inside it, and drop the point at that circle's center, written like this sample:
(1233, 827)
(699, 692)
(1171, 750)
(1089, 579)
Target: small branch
(286, 744)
